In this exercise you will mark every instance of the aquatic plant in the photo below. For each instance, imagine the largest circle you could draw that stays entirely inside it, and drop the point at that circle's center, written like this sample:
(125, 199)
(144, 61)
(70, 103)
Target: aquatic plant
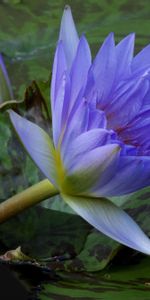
(100, 118)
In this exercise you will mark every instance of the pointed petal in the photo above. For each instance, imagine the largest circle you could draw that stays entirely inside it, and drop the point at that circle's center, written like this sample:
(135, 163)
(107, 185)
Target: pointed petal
(5, 85)
(110, 220)
(124, 52)
(87, 141)
(37, 143)
(66, 103)
(104, 66)
(59, 67)
(57, 110)
(142, 60)
(96, 158)
(68, 35)
(79, 70)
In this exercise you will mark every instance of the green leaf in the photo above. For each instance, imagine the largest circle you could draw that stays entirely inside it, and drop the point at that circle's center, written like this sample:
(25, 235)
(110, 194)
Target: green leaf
(44, 233)
(117, 282)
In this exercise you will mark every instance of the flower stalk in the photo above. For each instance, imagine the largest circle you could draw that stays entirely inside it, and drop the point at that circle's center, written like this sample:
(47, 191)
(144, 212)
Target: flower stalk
(26, 199)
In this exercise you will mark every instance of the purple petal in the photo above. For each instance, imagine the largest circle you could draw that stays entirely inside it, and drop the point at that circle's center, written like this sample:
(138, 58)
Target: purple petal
(79, 69)
(142, 60)
(104, 66)
(57, 110)
(59, 67)
(124, 52)
(126, 104)
(37, 143)
(97, 119)
(77, 123)
(87, 169)
(146, 101)
(110, 220)
(85, 142)
(68, 35)
(136, 131)
(90, 92)
(66, 103)
(133, 174)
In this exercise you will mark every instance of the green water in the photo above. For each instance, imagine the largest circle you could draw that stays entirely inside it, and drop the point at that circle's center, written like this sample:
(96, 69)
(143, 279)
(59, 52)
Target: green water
(28, 35)
(29, 31)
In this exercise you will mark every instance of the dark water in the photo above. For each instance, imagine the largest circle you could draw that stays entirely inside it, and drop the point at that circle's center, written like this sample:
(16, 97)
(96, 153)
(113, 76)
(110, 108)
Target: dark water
(129, 281)
(28, 34)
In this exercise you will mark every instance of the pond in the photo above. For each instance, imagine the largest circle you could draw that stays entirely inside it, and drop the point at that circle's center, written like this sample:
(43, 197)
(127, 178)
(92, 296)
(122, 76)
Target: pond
(126, 282)
(28, 36)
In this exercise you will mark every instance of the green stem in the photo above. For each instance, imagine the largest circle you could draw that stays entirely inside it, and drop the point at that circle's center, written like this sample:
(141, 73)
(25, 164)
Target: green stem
(27, 198)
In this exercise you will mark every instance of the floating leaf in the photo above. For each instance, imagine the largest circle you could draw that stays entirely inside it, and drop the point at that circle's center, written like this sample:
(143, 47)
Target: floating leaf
(125, 282)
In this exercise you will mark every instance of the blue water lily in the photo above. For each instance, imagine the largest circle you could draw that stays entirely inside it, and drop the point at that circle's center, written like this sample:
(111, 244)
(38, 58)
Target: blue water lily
(100, 121)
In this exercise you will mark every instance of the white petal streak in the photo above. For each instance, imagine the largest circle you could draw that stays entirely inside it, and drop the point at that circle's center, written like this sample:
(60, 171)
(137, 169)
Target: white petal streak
(110, 220)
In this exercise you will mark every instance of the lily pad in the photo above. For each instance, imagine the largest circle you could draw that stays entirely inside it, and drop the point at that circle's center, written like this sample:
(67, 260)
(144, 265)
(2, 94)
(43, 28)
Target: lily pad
(57, 234)
(128, 282)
